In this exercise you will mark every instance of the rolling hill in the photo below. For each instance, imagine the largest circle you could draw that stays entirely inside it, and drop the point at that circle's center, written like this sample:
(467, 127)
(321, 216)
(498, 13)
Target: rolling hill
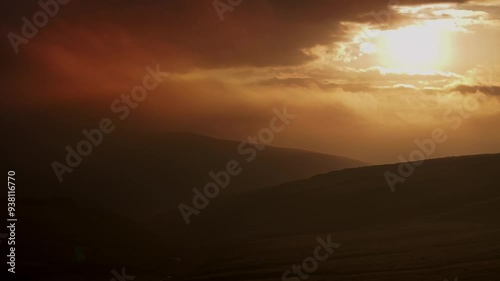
(442, 222)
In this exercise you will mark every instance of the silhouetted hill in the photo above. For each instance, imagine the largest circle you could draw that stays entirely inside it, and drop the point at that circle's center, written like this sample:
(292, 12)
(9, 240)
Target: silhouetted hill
(443, 220)
(141, 174)
(157, 174)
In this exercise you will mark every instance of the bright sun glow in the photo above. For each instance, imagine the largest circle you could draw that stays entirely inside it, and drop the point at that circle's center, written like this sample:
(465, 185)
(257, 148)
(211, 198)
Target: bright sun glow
(414, 48)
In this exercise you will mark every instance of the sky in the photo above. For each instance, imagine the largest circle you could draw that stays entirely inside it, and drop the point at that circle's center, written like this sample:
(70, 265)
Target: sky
(365, 78)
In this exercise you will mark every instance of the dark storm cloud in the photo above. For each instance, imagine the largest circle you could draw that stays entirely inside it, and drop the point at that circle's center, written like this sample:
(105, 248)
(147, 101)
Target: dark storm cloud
(489, 90)
(189, 33)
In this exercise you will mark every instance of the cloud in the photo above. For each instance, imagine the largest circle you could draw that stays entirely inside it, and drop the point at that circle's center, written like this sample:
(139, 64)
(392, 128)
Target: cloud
(227, 76)
(257, 33)
(489, 90)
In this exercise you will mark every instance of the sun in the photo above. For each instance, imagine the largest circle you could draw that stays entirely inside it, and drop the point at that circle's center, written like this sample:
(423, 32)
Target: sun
(414, 48)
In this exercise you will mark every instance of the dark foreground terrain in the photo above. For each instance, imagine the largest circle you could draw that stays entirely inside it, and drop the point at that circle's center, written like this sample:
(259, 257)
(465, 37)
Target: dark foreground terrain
(440, 224)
